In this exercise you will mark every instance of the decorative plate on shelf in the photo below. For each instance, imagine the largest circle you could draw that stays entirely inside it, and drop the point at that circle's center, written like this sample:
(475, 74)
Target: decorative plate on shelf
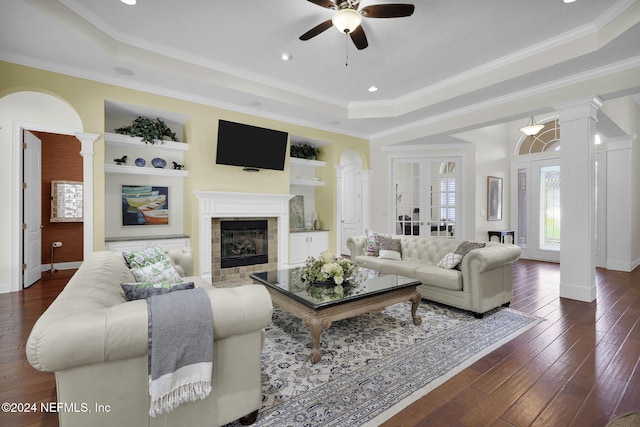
(159, 163)
(140, 162)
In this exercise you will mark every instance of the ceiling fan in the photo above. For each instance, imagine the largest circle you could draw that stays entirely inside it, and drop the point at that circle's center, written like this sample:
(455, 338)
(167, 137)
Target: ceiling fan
(348, 18)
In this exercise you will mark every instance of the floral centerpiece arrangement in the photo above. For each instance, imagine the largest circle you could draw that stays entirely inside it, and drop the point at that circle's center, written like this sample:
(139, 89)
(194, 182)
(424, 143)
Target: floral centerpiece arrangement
(328, 277)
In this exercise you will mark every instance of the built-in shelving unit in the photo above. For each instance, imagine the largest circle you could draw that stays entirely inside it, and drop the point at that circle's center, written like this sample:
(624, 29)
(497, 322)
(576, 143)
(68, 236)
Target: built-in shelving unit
(134, 147)
(303, 172)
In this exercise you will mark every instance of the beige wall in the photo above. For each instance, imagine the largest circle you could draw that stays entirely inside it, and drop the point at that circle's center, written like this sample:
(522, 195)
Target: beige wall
(87, 99)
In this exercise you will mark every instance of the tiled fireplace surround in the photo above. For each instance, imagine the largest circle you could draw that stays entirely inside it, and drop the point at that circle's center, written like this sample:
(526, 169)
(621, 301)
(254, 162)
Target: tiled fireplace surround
(215, 206)
(219, 274)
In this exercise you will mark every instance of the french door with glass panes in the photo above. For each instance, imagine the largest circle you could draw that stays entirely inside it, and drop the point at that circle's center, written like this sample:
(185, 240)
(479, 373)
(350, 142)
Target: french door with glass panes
(425, 196)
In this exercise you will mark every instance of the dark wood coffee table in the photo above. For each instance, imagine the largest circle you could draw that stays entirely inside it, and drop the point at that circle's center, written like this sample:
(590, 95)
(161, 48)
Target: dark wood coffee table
(372, 292)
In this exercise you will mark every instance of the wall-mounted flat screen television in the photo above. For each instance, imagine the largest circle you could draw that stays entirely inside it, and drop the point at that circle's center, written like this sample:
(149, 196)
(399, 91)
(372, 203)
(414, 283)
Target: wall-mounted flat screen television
(250, 147)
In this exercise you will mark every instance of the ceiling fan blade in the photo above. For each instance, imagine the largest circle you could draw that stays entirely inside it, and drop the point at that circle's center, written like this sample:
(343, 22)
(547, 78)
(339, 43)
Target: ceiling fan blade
(317, 30)
(387, 10)
(359, 38)
(324, 3)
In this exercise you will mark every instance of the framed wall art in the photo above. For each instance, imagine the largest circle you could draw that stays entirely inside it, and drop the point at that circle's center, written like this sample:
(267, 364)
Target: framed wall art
(145, 205)
(494, 198)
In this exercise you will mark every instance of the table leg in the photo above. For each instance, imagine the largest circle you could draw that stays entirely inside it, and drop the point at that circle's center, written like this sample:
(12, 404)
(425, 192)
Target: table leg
(415, 303)
(316, 326)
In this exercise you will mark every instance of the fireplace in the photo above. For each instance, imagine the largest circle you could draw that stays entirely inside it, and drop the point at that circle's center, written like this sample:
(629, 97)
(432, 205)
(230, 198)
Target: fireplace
(242, 246)
(243, 242)
(214, 207)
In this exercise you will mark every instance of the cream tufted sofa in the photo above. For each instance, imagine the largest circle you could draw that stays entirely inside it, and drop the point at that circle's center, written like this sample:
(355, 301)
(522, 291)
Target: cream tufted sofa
(96, 343)
(484, 282)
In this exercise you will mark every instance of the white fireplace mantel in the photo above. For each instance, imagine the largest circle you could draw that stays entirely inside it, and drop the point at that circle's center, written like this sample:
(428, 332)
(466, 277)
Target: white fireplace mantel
(213, 204)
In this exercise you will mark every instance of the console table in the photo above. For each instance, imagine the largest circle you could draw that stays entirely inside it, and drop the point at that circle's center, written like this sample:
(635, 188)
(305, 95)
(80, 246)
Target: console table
(501, 234)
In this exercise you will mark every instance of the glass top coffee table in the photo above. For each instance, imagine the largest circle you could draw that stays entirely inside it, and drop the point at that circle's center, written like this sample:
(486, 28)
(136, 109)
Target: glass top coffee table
(318, 306)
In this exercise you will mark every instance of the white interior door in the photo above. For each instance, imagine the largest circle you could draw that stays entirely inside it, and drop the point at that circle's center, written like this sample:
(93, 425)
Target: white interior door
(351, 204)
(32, 208)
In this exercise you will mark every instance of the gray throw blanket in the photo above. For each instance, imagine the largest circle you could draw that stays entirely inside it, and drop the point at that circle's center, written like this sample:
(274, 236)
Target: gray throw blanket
(180, 348)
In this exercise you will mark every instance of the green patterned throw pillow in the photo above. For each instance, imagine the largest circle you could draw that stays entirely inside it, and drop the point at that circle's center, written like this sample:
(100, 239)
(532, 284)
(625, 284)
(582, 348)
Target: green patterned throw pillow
(135, 291)
(143, 257)
(159, 272)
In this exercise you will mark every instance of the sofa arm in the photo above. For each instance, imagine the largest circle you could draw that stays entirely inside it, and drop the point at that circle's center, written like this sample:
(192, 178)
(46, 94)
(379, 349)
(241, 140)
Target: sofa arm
(59, 342)
(356, 245)
(490, 257)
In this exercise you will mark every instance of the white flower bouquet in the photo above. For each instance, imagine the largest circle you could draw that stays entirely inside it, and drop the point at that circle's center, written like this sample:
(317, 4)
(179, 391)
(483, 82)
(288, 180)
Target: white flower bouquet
(328, 277)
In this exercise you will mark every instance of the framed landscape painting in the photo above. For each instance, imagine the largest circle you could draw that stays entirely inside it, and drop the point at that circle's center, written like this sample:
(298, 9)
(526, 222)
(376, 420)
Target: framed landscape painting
(494, 198)
(145, 205)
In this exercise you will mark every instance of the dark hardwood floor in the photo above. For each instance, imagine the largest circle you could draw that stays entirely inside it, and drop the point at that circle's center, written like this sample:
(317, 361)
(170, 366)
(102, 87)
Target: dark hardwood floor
(580, 367)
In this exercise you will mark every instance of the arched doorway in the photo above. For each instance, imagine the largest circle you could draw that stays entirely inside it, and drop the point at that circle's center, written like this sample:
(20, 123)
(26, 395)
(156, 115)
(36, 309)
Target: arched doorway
(26, 111)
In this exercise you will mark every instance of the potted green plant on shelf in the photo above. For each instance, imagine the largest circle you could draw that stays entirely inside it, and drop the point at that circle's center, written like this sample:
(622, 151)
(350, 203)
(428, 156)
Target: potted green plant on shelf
(148, 129)
(304, 151)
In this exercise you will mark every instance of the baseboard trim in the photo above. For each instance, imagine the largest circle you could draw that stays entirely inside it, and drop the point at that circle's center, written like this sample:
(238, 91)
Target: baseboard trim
(579, 293)
(61, 266)
(626, 266)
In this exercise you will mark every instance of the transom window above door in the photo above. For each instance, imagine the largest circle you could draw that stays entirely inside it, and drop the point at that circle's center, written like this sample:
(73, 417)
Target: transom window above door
(548, 139)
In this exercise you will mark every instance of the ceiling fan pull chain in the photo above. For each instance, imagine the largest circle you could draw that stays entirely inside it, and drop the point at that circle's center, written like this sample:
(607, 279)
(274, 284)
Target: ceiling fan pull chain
(346, 49)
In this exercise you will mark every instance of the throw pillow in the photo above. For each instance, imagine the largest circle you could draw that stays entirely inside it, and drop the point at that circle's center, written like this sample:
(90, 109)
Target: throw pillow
(389, 244)
(134, 291)
(389, 248)
(464, 249)
(373, 242)
(159, 272)
(387, 254)
(143, 257)
(450, 260)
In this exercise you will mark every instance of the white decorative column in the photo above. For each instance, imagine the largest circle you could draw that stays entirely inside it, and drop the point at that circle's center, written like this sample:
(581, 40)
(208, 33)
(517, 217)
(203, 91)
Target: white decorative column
(365, 176)
(577, 199)
(86, 151)
(339, 219)
(620, 198)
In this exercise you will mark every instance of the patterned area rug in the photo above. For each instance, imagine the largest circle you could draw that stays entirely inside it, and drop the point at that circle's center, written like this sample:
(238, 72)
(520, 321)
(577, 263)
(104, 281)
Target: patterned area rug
(373, 365)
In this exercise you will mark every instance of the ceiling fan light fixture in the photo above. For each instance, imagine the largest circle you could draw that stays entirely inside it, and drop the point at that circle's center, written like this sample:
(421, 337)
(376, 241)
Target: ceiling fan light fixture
(346, 20)
(532, 127)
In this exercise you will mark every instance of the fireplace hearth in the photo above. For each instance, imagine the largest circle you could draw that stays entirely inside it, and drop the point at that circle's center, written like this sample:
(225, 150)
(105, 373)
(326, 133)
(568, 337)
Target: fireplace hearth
(243, 242)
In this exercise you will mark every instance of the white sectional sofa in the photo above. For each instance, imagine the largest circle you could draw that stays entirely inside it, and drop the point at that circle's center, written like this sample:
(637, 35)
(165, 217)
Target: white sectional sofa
(96, 342)
(484, 281)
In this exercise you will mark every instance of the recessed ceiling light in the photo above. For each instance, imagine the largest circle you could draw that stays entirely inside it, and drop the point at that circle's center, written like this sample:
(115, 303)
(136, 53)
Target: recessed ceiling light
(286, 56)
(372, 89)
(568, 1)
(129, 2)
